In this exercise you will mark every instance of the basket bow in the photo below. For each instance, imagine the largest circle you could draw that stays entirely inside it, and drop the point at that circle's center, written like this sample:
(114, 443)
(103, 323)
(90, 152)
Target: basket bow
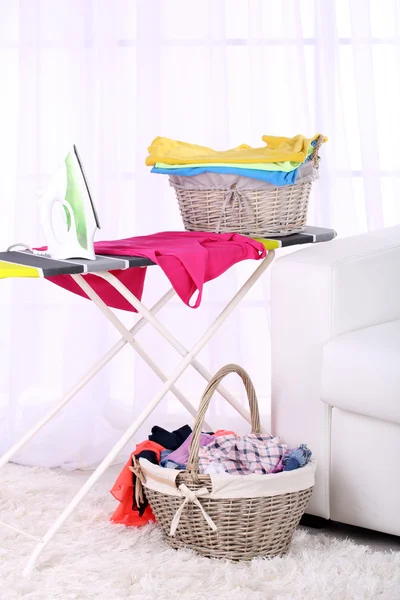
(191, 496)
(233, 196)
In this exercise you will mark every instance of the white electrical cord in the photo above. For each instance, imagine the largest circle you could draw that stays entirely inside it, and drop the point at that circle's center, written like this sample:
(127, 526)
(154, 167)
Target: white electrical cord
(25, 247)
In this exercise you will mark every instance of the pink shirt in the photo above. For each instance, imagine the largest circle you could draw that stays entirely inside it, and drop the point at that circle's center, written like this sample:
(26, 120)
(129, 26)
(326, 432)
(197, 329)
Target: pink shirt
(188, 259)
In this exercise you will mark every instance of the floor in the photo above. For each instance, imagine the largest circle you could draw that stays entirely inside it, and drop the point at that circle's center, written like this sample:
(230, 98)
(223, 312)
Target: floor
(93, 559)
(374, 539)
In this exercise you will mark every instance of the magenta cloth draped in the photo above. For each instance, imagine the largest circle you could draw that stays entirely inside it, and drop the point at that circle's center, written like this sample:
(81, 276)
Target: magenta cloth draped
(188, 259)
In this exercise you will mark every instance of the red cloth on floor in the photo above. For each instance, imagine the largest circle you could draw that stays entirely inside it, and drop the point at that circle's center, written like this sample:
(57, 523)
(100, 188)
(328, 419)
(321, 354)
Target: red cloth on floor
(189, 259)
(123, 491)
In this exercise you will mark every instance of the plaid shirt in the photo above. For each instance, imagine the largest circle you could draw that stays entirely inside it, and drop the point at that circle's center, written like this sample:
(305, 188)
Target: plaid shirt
(241, 455)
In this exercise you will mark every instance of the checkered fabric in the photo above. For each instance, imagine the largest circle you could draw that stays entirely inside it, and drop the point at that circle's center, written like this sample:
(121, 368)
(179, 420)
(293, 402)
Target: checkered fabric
(252, 454)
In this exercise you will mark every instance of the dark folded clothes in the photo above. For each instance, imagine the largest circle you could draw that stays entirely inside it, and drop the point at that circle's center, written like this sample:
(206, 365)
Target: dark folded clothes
(170, 440)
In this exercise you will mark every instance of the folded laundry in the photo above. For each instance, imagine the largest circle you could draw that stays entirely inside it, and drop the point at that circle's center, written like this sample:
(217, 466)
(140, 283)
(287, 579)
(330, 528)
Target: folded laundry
(274, 166)
(276, 178)
(277, 149)
(207, 181)
(242, 455)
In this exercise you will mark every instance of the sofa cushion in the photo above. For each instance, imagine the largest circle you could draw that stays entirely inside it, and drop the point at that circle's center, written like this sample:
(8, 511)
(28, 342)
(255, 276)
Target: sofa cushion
(361, 372)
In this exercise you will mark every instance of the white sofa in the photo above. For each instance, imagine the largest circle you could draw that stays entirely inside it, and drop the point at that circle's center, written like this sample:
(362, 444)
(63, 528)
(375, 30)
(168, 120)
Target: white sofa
(336, 372)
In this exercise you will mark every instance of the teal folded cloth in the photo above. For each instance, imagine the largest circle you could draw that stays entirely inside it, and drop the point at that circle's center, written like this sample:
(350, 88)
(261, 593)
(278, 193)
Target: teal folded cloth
(277, 178)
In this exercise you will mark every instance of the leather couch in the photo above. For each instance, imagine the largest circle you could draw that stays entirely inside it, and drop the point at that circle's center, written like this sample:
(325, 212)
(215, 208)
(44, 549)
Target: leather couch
(335, 321)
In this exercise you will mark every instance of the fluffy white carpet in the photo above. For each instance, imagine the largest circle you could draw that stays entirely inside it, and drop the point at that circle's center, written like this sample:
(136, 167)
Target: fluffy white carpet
(93, 559)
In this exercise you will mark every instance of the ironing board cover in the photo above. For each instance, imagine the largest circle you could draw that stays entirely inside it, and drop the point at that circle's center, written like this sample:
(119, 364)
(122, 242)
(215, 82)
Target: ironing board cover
(26, 264)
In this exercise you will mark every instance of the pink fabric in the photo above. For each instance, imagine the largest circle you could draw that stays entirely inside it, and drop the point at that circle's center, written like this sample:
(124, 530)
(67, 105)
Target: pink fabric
(251, 454)
(181, 455)
(133, 279)
(188, 259)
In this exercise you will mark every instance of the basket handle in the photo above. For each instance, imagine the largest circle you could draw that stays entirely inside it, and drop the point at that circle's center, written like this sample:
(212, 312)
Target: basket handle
(193, 462)
(314, 154)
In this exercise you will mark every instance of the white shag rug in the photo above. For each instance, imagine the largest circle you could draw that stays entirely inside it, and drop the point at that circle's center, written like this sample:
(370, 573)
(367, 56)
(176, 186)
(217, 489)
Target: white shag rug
(90, 558)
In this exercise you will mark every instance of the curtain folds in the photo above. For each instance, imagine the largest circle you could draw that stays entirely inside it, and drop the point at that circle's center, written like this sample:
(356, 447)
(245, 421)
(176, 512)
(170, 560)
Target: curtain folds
(111, 76)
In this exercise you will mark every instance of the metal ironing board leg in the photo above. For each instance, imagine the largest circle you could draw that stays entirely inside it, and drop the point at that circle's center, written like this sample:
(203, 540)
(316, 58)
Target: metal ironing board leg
(169, 337)
(130, 338)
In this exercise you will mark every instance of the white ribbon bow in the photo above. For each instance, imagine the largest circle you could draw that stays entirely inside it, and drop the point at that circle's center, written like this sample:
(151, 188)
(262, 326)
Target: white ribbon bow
(233, 196)
(191, 496)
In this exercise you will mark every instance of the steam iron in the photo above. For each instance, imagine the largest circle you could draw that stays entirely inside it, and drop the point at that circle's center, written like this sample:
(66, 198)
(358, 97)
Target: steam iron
(68, 217)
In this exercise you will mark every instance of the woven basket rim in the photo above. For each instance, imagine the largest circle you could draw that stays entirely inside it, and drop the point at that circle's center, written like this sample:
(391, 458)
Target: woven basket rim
(230, 188)
(169, 479)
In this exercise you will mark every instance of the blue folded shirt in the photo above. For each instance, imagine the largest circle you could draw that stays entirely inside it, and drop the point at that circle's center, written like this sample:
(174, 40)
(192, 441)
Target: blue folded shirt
(277, 178)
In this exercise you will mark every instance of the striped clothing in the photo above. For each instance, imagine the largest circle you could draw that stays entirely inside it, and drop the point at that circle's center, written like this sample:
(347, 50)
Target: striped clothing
(249, 454)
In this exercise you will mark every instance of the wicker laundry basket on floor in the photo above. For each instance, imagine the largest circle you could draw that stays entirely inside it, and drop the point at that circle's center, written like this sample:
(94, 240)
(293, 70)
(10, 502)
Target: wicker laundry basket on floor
(227, 516)
(259, 211)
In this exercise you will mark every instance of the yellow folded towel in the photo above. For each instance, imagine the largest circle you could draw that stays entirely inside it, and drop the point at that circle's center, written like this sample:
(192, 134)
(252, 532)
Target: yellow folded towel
(277, 149)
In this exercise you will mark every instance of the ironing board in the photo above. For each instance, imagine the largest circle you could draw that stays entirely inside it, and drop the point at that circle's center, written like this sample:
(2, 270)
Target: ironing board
(25, 264)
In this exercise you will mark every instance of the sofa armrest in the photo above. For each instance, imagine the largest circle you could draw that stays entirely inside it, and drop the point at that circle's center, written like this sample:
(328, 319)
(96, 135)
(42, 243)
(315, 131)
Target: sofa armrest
(319, 293)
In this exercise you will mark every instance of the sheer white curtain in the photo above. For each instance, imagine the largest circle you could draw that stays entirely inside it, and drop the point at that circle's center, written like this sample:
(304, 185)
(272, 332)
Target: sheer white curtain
(110, 76)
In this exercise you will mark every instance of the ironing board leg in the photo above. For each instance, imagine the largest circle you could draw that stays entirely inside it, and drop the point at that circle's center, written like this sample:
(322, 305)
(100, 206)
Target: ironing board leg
(139, 306)
(145, 413)
(6, 457)
(129, 337)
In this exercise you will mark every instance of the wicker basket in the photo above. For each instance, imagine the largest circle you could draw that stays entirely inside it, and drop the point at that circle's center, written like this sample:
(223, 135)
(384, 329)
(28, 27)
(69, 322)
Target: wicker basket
(254, 519)
(265, 212)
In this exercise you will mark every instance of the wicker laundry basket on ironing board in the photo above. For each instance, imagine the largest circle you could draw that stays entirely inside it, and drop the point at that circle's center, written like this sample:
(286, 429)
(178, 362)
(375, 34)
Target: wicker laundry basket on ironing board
(257, 210)
(237, 517)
